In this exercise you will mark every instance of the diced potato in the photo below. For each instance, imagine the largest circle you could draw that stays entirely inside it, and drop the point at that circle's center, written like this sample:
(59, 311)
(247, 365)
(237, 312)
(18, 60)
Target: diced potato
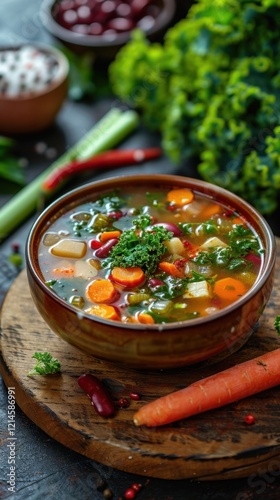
(50, 239)
(83, 269)
(213, 242)
(70, 248)
(198, 290)
(95, 263)
(175, 246)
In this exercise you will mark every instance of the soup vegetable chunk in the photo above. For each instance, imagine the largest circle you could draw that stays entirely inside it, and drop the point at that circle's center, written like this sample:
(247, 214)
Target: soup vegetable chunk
(159, 256)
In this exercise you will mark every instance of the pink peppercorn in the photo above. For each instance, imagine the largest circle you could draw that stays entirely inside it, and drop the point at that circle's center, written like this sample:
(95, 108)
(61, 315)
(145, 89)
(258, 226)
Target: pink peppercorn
(249, 419)
(123, 403)
(130, 494)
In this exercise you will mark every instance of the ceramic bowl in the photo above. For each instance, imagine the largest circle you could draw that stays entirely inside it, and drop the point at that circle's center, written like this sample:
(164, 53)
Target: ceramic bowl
(154, 346)
(35, 109)
(105, 46)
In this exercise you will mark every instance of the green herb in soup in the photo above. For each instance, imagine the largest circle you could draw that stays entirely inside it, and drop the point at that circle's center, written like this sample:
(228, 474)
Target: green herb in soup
(150, 257)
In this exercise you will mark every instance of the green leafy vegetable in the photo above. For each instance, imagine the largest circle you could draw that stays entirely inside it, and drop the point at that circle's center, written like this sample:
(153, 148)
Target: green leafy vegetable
(144, 249)
(172, 288)
(277, 323)
(241, 242)
(45, 365)
(212, 89)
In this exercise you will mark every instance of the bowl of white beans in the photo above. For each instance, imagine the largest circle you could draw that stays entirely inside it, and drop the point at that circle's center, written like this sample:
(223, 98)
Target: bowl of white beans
(33, 86)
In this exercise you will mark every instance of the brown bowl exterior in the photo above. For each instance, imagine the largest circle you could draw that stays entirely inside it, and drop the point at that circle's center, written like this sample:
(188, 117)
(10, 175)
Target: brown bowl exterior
(153, 346)
(36, 111)
(100, 46)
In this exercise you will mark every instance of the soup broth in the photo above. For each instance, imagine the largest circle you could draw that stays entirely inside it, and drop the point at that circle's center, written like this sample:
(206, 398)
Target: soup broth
(159, 256)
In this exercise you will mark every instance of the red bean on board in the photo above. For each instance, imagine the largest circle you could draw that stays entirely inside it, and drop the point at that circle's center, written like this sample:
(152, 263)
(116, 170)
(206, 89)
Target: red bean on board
(100, 398)
(105, 249)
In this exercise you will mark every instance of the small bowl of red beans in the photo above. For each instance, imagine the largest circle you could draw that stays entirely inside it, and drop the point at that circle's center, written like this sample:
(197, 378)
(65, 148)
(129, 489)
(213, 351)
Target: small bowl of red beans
(151, 271)
(105, 25)
(33, 87)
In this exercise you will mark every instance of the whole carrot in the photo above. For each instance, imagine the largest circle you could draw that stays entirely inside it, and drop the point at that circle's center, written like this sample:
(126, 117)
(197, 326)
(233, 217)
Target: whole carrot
(230, 385)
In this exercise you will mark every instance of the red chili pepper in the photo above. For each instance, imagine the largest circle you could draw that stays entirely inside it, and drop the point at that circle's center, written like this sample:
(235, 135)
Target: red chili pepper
(108, 159)
(99, 396)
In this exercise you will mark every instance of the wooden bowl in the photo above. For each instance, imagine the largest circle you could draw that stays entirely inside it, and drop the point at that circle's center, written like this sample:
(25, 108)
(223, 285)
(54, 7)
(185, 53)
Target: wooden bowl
(104, 46)
(35, 110)
(154, 346)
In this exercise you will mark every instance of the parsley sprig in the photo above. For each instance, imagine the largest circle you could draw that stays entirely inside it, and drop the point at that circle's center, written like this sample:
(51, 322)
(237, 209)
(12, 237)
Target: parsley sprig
(46, 364)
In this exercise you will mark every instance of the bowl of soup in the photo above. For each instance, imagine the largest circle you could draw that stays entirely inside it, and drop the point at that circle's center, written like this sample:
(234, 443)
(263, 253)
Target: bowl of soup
(151, 271)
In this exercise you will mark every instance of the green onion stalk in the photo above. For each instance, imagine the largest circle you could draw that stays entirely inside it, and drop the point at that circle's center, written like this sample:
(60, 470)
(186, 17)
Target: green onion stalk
(106, 134)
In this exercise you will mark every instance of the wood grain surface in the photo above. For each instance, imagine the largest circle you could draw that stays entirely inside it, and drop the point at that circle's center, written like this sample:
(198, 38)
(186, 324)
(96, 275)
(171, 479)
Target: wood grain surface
(214, 445)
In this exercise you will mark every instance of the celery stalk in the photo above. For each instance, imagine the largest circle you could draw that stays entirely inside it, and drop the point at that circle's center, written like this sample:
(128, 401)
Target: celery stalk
(105, 134)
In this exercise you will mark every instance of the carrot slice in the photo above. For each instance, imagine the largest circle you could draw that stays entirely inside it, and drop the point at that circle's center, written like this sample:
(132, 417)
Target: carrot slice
(101, 291)
(128, 276)
(145, 318)
(238, 382)
(104, 311)
(108, 235)
(180, 197)
(170, 268)
(238, 220)
(229, 289)
(210, 210)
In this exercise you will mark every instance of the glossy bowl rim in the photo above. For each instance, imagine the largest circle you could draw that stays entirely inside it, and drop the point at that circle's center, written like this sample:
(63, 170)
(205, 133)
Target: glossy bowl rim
(62, 61)
(93, 41)
(104, 184)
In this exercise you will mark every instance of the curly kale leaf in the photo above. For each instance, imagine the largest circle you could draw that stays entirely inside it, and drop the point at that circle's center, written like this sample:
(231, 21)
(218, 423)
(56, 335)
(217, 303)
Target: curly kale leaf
(212, 90)
(143, 250)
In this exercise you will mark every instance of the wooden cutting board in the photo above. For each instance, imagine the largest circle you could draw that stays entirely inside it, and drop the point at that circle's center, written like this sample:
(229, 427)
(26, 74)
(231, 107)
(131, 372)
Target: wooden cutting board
(214, 445)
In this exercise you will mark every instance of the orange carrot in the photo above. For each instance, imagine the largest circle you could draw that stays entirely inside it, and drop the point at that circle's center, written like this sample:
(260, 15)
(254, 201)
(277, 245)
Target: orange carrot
(108, 235)
(101, 291)
(228, 386)
(229, 289)
(104, 311)
(128, 276)
(238, 220)
(211, 210)
(145, 318)
(180, 197)
(170, 268)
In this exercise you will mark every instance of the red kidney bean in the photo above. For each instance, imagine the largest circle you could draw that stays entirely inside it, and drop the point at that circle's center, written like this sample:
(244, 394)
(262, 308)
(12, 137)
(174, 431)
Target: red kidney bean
(121, 24)
(146, 23)
(169, 226)
(123, 10)
(105, 249)
(95, 244)
(100, 398)
(154, 282)
(115, 214)
(138, 7)
(95, 29)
